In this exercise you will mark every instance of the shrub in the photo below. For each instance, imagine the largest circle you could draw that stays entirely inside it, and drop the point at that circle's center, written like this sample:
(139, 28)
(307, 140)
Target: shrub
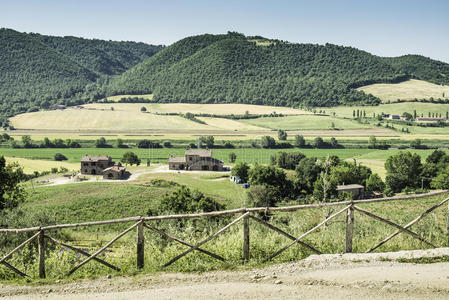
(60, 157)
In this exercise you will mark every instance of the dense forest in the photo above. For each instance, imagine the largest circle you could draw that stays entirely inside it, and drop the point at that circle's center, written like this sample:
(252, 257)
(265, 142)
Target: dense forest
(38, 71)
(233, 68)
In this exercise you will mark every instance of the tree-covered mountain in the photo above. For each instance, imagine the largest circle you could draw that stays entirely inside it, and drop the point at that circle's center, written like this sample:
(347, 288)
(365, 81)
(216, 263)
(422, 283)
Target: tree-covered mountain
(233, 68)
(102, 57)
(39, 71)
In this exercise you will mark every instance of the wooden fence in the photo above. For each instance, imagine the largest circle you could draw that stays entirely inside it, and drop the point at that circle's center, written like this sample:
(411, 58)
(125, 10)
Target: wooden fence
(244, 215)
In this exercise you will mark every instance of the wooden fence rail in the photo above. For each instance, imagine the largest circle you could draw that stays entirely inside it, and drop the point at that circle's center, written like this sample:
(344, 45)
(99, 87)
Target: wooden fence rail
(245, 215)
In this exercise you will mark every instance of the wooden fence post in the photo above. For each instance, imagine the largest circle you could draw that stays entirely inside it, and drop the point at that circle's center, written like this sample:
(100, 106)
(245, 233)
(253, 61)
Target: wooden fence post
(140, 246)
(245, 239)
(41, 253)
(447, 225)
(349, 228)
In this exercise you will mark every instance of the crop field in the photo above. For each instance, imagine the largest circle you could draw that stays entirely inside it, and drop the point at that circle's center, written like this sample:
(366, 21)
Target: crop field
(30, 165)
(81, 119)
(306, 122)
(219, 109)
(393, 108)
(407, 90)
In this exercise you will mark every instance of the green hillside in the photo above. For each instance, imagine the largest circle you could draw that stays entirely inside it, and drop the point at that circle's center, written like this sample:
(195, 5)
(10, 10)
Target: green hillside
(233, 68)
(39, 71)
(102, 57)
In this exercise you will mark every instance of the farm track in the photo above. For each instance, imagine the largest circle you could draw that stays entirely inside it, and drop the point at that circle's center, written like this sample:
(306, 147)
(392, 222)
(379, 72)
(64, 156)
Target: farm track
(348, 276)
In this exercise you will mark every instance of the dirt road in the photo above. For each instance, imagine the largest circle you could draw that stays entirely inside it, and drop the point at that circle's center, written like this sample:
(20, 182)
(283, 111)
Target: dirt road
(349, 276)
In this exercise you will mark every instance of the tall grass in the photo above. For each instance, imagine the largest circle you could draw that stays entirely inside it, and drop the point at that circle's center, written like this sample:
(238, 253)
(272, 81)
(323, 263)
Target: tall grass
(263, 241)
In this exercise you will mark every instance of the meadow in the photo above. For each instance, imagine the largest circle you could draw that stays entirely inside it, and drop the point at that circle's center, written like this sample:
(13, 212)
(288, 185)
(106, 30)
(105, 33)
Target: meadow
(407, 90)
(69, 205)
(307, 122)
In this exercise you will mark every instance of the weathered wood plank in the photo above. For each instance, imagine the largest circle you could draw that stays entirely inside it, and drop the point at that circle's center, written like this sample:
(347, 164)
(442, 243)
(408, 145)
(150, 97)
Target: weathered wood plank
(308, 232)
(81, 251)
(349, 229)
(205, 240)
(14, 269)
(415, 235)
(225, 212)
(419, 218)
(18, 247)
(246, 239)
(277, 229)
(41, 253)
(140, 246)
(102, 249)
(183, 242)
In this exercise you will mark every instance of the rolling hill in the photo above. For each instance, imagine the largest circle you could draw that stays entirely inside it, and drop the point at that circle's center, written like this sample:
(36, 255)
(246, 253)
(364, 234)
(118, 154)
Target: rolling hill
(233, 68)
(38, 71)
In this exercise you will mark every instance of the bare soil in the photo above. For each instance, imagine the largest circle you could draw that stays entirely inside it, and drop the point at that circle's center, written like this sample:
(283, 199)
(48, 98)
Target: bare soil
(347, 276)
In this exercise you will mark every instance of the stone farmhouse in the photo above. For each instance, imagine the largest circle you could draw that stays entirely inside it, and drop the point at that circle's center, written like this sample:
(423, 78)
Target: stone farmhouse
(356, 190)
(102, 165)
(195, 160)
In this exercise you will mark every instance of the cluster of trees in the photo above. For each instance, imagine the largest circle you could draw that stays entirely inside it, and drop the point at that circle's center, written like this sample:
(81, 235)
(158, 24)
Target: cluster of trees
(314, 179)
(318, 142)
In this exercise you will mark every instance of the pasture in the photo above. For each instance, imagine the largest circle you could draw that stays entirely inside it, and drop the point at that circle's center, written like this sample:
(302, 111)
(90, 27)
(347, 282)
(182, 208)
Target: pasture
(219, 109)
(407, 90)
(306, 122)
(392, 108)
(31, 165)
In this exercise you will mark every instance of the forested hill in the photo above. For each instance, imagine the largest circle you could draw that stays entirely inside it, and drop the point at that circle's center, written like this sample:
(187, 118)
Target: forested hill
(102, 57)
(38, 71)
(233, 68)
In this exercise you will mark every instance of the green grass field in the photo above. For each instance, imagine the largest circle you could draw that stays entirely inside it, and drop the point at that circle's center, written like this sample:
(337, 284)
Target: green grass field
(306, 122)
(31, 165)
(393, 108)
(407, 90)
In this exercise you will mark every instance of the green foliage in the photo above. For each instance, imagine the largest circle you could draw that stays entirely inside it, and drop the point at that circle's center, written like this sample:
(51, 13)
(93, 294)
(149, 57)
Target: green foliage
(143, 109)
(282, 135)
(11, 192)
(300, 142)
(60, 157)
(101, 143)
(241, 170)
(306, 173)
(350, 173)
(232, 157)
(403, 170)
(270, 176)
(184, 200)
(268, 142)
(130, 158)
(263, 196)
(441, 181)
(40, 71)
(287, 160)
(374, 183)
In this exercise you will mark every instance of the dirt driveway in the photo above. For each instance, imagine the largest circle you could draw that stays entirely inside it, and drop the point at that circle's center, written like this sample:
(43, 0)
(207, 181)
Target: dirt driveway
(348, 276)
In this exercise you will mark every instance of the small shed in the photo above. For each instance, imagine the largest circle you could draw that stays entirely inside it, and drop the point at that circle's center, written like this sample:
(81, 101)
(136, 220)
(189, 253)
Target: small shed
(356, 190)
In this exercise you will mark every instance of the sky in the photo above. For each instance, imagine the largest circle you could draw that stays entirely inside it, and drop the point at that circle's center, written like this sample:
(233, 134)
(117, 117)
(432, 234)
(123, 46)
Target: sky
(385, 28)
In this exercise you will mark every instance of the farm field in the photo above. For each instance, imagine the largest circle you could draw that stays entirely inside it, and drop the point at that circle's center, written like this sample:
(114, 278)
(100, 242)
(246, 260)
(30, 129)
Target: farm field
(31, 165)
(407, 90)
(306, 122)
(219, 109)
(393, 108)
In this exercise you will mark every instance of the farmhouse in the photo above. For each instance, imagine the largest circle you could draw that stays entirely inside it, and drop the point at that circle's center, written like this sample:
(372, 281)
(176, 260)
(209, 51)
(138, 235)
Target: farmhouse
(115, 172)
(195, 160)
(356, 190)
(97, 165)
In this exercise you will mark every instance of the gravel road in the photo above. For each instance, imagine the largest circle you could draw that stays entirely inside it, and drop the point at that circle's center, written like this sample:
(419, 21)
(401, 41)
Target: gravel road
(347, 276)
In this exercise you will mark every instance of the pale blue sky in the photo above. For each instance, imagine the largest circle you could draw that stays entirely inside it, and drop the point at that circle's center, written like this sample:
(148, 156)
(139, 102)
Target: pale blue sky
(386, 28)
